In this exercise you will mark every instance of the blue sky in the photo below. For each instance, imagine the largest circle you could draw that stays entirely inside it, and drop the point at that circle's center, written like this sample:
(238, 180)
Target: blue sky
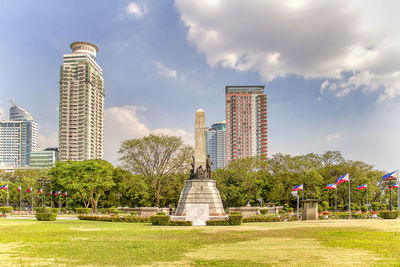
(331, 69)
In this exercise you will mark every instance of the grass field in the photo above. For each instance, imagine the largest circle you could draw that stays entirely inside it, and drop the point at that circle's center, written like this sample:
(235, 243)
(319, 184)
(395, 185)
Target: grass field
(310, 243)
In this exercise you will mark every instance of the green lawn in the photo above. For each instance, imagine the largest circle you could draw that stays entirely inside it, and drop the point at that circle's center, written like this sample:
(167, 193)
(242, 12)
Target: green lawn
(318, 243)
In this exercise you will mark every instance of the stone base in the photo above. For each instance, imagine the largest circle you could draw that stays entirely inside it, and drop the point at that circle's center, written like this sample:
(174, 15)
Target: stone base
(200, 191)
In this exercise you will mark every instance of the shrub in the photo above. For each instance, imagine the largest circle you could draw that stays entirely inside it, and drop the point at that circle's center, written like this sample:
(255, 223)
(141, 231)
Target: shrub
(282, 212)
(291, 209)
(325, 205)
(388, 214)
(264, 212)
(375, 206)
(180, 223)
(83, 210)
(217, 223)
(161, 213)
(320, 209)
(129, 219)
(134, 213)
(235, 219)
(286, 207)
(364, 208)
(269, 218)
(383, 206)
(160, 220)
(359, 216)
(46, 216)
(235, 213)
(5, 210)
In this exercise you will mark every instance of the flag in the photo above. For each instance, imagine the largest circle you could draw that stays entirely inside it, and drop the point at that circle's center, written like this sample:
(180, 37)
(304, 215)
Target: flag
(57, 193)
(64, 194)
(29, 190)
(39, 191)
(344, 178)
(361, 187)
(50, 193)
(396, 185)
(19, 188)
(390, 176)
(331, 186)
(297, 187)
(5, 187)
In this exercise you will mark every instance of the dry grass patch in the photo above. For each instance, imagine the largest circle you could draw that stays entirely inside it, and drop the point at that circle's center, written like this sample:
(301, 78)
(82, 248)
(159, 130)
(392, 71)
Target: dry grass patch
(283, 252)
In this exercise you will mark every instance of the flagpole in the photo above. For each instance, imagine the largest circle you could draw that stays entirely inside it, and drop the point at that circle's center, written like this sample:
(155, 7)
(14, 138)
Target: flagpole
(20, 200)
(349, 199)
(398, 191)
(367, 198)
(51, 199)
(7, 195)
(32, 201)
(336, 198)
(298, 213)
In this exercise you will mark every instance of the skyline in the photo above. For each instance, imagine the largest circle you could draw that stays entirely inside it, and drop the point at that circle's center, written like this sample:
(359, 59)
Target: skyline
(330, 69)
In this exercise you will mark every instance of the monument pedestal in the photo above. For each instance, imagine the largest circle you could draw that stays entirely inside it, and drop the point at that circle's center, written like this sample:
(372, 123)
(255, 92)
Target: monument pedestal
(200, 191)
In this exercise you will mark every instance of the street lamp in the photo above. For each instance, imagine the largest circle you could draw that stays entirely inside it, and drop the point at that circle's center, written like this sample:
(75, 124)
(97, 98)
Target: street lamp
(43, 181)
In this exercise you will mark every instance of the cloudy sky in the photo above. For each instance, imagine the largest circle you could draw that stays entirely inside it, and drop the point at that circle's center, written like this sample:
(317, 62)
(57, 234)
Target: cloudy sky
(331, 69)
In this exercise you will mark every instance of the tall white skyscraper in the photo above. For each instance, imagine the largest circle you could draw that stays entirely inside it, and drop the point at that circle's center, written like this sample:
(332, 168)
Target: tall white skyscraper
(246, 122)
(18, 138)
(81, 118)
(216, 139)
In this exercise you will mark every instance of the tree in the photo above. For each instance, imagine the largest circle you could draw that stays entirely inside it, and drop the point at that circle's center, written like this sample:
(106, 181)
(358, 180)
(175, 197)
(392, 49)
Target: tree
(247, 169)
(158, 158)
(86, 180)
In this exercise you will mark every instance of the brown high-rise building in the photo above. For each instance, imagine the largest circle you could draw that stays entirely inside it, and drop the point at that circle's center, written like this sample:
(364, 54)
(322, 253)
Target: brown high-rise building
(81, 118)
(246, 122)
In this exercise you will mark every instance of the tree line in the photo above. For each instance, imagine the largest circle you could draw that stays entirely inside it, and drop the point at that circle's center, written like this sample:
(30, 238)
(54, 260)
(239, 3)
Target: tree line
(155, 167)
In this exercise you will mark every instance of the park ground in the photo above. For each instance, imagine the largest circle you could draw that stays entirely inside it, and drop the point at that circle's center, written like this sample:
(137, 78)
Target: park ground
(373, 242)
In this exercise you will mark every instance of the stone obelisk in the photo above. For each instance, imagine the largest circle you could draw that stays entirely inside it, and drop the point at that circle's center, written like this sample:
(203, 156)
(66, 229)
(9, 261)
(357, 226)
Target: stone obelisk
(200, 140)
(200, 199)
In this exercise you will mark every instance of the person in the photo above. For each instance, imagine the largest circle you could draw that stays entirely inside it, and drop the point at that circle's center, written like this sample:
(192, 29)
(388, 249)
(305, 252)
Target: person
(200, 172)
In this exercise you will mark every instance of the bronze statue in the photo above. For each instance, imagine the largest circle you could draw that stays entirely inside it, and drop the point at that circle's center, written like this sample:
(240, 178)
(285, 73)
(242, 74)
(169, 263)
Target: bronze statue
(200, 174)
(208, 166)
(192, 174)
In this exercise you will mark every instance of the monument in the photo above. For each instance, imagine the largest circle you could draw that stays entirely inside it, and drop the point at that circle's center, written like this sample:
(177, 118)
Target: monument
(200, 199)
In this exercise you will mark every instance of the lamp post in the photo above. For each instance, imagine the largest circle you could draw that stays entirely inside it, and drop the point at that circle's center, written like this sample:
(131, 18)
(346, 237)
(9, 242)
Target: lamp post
(43, 181)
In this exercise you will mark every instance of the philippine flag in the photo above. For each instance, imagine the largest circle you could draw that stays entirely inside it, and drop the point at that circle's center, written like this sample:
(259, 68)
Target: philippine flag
(331, 186)
(64, 194)
(297, 187)
(50, 193)
(390, 176)
(344, 178)
(39, 191)
(5, 187)
(361, 187)
(19, 188)
(29, 190)
(396, 185)
(57, 193)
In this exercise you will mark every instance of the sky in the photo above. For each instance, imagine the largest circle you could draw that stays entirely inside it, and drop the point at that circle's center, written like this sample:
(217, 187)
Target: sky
(331, 69)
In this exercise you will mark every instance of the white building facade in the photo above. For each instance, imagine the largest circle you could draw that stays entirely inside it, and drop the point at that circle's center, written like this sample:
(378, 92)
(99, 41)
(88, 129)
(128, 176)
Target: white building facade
(18, 138)
(81, 108)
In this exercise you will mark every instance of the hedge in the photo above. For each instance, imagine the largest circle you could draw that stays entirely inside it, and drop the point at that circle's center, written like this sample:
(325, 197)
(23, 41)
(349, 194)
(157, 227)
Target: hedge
(160, 219)
(180, 223)
(48, 210)
(46, 216)
(129, 219)
(233, 220)
(388, 214)
(5, 210)
(217, 223)
(83, 210)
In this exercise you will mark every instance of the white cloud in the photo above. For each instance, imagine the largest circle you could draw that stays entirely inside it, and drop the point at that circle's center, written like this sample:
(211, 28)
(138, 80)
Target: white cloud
(136, 9)
(164, 71)
(48, 140)
(314, 39)
(334, 137)
(123, 123)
